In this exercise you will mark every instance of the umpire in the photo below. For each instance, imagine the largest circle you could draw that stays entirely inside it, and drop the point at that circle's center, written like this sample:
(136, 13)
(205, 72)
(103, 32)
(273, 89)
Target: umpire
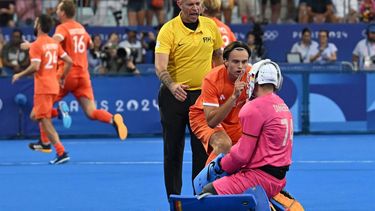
(183, 56)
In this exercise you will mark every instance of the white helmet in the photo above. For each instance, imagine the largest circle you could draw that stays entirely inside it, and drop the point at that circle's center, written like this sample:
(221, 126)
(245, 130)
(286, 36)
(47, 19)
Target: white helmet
(264, 72)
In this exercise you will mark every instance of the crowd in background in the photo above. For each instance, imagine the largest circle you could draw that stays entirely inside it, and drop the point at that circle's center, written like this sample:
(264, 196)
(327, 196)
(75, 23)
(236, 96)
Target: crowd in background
(153, 12)
(120, 55)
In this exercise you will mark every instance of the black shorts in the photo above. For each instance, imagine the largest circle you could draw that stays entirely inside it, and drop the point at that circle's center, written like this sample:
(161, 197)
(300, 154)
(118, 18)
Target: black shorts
(273, 2)
(136, 5)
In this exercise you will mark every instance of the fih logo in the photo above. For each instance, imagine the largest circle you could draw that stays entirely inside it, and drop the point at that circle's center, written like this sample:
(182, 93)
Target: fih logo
(270, 35)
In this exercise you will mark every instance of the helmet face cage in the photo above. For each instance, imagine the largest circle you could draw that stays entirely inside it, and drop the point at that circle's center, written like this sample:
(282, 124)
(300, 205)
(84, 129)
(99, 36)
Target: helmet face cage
(252, 77)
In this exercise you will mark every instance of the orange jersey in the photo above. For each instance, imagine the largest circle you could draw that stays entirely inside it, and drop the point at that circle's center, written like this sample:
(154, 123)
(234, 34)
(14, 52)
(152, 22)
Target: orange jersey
(46, 51)
(226, 33)
(75, 42)
(216, 89)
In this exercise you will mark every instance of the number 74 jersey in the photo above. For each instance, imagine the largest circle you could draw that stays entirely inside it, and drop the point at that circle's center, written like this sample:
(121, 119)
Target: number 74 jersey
(45, 51)
(75, 41)
(269, 119)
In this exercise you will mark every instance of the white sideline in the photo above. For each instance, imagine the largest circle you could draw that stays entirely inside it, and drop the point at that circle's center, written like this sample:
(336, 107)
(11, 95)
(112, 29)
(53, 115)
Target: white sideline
(186, 162)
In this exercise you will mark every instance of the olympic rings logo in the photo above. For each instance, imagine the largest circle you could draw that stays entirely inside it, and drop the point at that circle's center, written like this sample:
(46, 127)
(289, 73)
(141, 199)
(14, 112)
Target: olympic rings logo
(270, 35)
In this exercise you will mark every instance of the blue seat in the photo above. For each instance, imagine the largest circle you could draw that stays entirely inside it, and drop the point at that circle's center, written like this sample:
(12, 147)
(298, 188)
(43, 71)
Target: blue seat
(253, 199)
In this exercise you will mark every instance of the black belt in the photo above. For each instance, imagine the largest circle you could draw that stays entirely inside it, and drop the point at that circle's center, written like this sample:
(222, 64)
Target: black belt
(277, 172)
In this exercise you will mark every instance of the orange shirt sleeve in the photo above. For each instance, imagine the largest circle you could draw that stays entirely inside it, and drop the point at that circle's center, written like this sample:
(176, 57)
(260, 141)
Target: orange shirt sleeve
(61, 32)
(210, 89)
(35, 53)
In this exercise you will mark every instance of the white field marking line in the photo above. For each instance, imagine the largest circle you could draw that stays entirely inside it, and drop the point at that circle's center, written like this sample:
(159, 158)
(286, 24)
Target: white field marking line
(185, 162)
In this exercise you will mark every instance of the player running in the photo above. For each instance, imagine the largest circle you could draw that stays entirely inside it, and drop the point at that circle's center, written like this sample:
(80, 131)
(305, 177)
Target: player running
(75, 40)
(43, 56)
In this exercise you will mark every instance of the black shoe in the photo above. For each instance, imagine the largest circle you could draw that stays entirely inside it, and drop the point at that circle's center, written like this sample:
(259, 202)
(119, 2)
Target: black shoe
(121, 129)
(39, 146)
(60, 159)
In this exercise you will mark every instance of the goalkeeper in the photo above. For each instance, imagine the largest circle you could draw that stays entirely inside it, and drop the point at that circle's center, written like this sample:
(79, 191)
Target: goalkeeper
(263, 153)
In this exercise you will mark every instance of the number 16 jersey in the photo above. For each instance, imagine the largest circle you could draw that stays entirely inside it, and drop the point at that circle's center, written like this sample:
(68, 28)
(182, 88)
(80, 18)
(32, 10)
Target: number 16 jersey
(75, 41)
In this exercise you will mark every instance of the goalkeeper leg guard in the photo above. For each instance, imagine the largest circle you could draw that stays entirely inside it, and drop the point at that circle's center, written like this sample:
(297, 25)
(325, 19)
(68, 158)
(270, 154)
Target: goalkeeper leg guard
(288, 202)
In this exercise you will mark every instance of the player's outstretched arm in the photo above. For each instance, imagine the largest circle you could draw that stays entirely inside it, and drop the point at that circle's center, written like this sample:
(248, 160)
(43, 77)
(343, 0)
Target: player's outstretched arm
(240, 154)
(25, 45)
(33, 67)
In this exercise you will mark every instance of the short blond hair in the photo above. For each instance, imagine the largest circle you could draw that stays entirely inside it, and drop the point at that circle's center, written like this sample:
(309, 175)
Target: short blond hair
(211, 7)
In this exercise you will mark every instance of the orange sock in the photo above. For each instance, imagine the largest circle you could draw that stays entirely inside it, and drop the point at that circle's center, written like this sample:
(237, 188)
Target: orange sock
(211, 157)
(54, 113)
(43, 135)
(102, 115)
(59, 148)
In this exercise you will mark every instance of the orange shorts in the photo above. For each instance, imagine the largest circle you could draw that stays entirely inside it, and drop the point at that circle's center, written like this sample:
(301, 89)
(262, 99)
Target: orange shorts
(200, 128)
(79, 87)
(43, 104)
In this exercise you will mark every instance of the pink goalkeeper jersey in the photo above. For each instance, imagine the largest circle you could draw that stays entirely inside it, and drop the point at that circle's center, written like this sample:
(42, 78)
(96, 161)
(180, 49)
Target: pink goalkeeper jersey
(268, 118)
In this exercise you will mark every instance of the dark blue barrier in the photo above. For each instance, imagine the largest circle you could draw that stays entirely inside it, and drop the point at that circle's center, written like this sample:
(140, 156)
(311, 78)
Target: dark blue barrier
(278, 38)
(320, 102)
(337, 102)
(134, 97)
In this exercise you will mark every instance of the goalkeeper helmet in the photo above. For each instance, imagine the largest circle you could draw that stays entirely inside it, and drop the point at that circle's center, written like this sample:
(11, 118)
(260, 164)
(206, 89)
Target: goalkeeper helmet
(264, 72)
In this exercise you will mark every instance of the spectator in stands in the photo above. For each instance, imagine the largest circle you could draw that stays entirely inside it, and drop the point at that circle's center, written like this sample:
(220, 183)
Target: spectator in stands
(27, 11)
(291, 16)
(247, 10)
(83, 3)
(367, 10)
(364, 51)
(14, 58)
(254, 40)
(326, 52)
(275, 10)
(304, 46)
(136, 12)
(102, 8)
(156, 7)
(118, 60)
(227, 8)
(135, 46)
(346, 10)
(148, 40)
(49, 8)
(302, 12)
(321, 11)
(123, 63)
(110, 49)
(7, 13)
(97, 58)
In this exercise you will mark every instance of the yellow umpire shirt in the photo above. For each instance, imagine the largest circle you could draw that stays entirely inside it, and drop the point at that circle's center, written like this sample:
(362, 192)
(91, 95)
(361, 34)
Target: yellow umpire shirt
(190, 52)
